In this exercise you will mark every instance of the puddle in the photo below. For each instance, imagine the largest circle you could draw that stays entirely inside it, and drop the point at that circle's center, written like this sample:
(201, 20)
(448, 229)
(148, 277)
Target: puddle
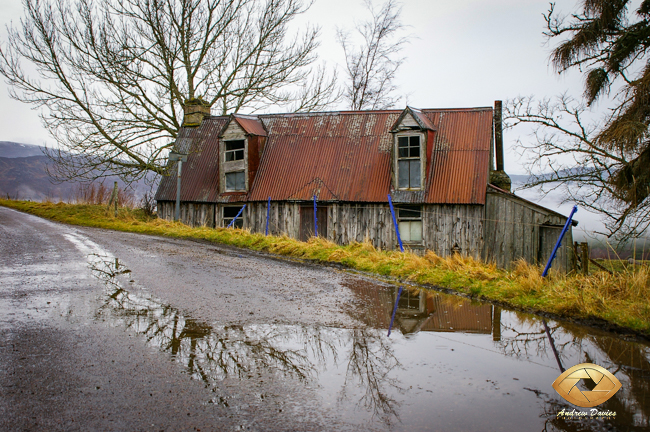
(450, 363)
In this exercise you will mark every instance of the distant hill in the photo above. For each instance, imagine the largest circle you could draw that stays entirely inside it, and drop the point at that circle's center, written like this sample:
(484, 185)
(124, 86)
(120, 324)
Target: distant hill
(10, 149)
(23, 175)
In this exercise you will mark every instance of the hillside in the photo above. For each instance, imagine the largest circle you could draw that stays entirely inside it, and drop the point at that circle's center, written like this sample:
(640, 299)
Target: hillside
(23, 175)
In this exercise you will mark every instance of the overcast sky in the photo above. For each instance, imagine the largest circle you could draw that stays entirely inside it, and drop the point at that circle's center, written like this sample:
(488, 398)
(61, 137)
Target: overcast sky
(462, 53)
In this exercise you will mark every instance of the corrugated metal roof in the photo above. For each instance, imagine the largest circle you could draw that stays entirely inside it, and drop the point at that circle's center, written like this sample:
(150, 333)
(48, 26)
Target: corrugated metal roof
(200, 174)
(337, 156)
(251, 124)
(341, 156)
(458, 173)
(349, 153)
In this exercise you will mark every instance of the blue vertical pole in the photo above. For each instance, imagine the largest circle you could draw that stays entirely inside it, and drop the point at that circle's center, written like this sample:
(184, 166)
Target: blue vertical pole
(233, 221)
(392, 211)
(392, 318)
(315, 219)
(559, 241)
(268, 213)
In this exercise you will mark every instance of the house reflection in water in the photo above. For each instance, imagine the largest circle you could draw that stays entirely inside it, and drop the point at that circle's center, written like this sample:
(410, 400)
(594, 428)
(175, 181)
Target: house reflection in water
(424, 311)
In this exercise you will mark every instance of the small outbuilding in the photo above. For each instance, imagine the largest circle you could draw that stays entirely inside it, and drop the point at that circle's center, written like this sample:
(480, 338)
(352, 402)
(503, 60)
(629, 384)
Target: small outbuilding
(436, 164)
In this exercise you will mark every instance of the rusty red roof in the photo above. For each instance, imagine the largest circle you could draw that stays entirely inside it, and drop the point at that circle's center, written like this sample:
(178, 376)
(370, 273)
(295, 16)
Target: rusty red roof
(200, 174)
(346, 157)
(343, 156)
(251, 124)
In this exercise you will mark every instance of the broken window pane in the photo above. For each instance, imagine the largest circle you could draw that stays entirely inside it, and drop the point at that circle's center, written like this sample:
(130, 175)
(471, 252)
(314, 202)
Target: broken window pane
(235, 150)
(229, 214)
(408, 212)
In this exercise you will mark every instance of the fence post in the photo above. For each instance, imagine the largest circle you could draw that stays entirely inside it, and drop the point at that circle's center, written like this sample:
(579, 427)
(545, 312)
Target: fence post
(392, 212)
(113, 198)
(559, 241)
(315, 219)
(585, 258)
(235, 218)
(116, 193)
(268, 214)
(392, 318)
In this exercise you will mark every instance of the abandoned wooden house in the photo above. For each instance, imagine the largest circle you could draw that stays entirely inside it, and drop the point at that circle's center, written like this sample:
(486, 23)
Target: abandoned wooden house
(436, 164)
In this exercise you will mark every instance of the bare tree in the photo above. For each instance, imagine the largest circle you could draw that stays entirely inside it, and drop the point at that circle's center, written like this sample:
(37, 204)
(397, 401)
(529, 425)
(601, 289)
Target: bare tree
(371, 67)
(609, 44)
(567, 155)
(112, 76)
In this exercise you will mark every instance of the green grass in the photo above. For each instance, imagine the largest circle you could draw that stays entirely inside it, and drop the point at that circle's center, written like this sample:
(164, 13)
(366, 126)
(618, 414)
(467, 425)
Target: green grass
(621, 298)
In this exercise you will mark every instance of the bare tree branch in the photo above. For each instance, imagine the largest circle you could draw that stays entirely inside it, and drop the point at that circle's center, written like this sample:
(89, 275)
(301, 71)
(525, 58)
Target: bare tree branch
(112, 76)
(567, 155)
(371, 67)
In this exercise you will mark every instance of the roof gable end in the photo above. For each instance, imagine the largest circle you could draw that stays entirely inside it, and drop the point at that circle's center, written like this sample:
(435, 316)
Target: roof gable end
(251, 125)
(412, 118)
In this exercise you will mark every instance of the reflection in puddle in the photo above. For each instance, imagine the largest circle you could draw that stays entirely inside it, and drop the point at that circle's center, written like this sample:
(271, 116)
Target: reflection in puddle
(451, 364)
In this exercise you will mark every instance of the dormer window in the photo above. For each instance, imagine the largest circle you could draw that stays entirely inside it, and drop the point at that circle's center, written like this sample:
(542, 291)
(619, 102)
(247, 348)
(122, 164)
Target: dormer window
(412, 132)
(409, 165)
(235, 150)
(240, 147)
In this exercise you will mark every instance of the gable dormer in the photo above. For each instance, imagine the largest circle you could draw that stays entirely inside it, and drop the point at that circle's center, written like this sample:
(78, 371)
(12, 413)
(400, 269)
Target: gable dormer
(412, 142)
(241, 144)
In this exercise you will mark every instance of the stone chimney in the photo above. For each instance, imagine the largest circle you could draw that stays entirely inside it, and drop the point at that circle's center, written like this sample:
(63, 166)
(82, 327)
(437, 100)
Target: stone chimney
(195, 111)
(499, 178)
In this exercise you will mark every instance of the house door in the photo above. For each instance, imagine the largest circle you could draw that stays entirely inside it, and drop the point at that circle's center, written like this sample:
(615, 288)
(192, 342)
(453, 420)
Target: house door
(548, 236)
(307, 222)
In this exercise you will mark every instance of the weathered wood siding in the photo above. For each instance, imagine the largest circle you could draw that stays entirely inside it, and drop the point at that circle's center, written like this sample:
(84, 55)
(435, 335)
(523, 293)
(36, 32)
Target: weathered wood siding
(193, 214)
(443, 226)
(502, 231)
(446, 226)
(516, 229)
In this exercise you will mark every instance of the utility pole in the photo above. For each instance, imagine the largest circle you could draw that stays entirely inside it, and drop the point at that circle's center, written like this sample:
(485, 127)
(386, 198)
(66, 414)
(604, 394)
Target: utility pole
(180, 158)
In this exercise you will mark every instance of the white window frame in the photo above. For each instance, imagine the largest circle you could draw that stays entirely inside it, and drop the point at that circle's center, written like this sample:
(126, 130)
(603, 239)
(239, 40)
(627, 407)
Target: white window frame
(404, 221)
(421, 158)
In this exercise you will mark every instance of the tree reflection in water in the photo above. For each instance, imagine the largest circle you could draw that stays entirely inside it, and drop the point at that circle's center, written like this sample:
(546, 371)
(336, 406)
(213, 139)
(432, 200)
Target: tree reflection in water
(366, 358)
(628, 361)
(287, 352)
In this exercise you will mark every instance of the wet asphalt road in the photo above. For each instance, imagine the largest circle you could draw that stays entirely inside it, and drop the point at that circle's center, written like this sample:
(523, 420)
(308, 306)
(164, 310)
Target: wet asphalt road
(109, 331)
(64, 366)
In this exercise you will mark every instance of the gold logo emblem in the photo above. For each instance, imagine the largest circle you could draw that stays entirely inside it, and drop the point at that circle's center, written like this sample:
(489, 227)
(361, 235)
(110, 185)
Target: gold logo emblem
(605, 385)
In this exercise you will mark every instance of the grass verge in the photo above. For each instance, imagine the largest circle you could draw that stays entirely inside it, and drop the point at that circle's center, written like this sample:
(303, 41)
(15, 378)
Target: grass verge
(621, 298)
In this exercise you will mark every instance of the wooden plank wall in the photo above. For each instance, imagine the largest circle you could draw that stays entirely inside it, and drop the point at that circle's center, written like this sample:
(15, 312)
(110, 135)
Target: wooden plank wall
(193, 214)
(503, 230)
(512, 231)
(445, 226)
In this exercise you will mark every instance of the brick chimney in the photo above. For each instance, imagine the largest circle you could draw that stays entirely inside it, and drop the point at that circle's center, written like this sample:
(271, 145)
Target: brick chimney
(498, 177)
(195, 111)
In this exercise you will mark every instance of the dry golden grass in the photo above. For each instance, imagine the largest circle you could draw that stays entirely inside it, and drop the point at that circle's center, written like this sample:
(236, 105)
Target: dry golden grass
(622, 298)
